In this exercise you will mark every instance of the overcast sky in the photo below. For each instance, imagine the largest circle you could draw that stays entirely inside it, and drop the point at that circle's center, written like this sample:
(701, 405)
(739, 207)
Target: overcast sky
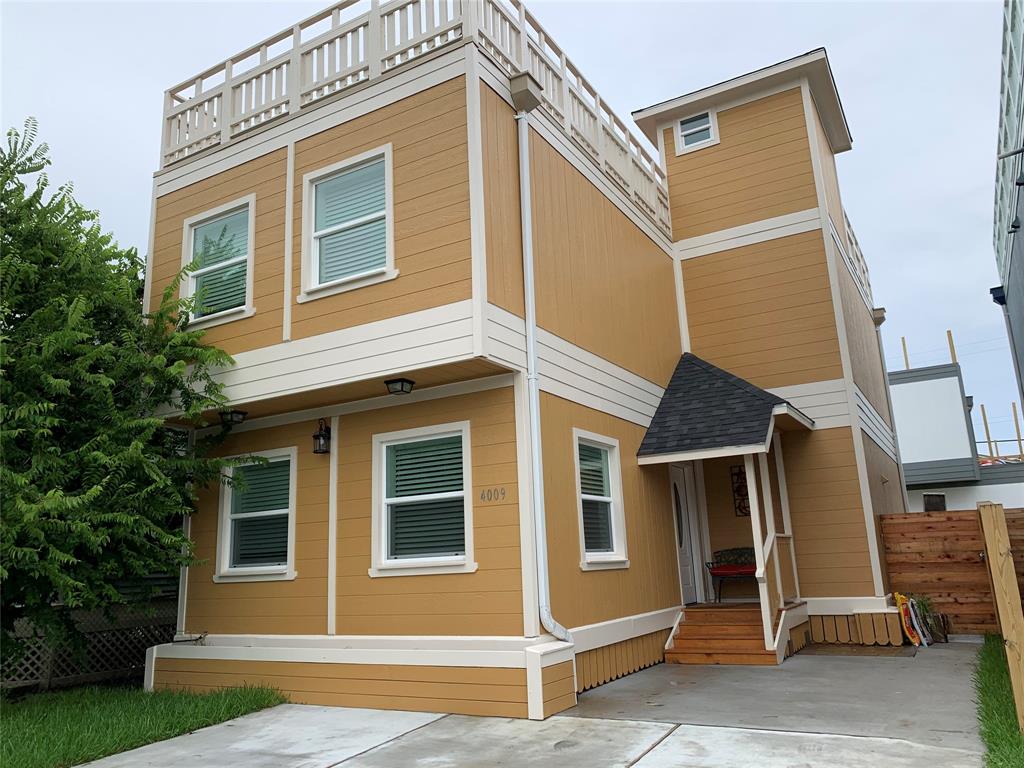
(919, 83)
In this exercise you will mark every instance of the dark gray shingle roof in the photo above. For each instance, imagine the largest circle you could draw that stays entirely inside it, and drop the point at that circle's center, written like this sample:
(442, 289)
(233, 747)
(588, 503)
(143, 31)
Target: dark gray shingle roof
(705, 407)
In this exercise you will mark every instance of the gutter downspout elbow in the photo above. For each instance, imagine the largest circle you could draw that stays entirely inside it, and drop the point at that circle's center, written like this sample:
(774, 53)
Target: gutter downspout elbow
(547, 620)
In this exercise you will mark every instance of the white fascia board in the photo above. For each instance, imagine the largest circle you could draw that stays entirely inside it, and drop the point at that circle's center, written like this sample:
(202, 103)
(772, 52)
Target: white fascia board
(708, 453)
(604, 633)
(788, 410)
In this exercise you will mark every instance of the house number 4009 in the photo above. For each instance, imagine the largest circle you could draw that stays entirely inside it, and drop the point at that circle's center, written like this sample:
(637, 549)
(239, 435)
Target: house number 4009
(492, 494)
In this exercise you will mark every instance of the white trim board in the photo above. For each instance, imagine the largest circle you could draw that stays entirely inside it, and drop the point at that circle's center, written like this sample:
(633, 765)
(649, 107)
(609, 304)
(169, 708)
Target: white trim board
(590, 636)
(824, 401)
(874, 425)
(748, 234)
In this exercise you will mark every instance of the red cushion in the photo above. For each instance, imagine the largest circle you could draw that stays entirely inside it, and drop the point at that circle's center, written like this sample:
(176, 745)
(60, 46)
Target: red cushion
(733, 570)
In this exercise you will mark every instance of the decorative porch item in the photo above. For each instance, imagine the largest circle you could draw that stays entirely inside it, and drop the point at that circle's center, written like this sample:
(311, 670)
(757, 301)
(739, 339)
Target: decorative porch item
(740, 499)
(731, 564)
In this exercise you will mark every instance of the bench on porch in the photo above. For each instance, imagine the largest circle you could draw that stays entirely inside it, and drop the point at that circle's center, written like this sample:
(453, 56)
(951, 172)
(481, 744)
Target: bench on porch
(731, 565)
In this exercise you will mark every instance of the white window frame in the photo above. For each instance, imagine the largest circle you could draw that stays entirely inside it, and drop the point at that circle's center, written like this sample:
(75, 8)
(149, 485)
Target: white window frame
(681, 148)
(380, 564)
(188, 285)
(312, 288)
(225, 571)
(618, 557)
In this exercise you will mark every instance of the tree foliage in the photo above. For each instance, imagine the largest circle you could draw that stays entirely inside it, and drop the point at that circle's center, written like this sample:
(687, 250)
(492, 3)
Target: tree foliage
(93, 483)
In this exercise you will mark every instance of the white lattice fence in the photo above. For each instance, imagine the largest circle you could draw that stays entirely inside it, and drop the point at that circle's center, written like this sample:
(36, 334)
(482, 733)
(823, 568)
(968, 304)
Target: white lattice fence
(114, 647)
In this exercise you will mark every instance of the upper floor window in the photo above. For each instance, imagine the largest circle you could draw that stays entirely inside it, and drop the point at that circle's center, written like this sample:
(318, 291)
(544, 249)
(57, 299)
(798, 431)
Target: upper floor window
(219, 243)
(696, 132)
(258, 518)
(348, 224)
(599, 487)
(422, 508)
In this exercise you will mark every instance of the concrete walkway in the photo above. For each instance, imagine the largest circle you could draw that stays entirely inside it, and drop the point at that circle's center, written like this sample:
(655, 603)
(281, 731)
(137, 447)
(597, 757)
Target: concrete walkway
(812, 711)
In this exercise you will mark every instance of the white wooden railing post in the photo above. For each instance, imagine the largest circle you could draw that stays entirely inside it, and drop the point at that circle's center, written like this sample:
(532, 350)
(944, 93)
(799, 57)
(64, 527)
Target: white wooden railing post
(375, 40)
(165, 134)
(755, 525)
(227, 105)
(524, 39)
(295, 71)
(566, 120)
(471, 18)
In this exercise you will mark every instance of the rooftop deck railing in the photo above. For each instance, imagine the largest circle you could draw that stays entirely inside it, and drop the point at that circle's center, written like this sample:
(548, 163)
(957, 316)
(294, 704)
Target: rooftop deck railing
(356, 41)
(858, 262)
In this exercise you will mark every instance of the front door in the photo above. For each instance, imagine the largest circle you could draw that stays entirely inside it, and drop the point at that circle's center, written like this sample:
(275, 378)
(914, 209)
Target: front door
(685, 516)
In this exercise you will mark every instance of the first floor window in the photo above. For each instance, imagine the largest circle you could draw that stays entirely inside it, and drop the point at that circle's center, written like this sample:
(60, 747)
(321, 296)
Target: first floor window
(425, 498)
(599, 485)
(258, 515)
(219, 248)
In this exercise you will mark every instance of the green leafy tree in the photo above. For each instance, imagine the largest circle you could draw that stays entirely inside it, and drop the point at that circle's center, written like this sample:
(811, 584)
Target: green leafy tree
(93, 484)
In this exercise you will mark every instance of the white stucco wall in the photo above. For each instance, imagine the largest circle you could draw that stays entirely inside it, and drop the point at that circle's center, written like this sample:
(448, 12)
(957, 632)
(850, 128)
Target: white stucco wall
(1010, 495)
(930, 420)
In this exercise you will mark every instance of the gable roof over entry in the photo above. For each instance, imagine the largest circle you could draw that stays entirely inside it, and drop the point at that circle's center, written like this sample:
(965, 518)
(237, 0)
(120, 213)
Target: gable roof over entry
(707, 412)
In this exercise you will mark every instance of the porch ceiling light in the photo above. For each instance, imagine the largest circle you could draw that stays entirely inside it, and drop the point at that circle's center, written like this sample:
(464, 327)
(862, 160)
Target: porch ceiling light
(231, 418)
(399, 386)
(322, 438)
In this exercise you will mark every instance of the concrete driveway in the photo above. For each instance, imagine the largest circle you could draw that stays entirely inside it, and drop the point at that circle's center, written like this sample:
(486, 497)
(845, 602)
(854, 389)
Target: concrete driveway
(811, 711)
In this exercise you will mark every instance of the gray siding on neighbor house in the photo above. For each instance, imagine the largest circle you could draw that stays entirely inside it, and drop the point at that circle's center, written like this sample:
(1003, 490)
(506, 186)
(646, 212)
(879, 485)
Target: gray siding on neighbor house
(942, 472)
(1014, 290)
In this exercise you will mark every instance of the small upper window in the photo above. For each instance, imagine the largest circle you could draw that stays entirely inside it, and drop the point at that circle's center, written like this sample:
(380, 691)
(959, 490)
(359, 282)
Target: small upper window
(350, 224)
(602, 527)
(220, 250)
(696, 132)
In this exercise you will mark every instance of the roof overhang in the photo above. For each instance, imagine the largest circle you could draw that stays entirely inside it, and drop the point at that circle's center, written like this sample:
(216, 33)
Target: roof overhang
(785, 418)
(812, 66)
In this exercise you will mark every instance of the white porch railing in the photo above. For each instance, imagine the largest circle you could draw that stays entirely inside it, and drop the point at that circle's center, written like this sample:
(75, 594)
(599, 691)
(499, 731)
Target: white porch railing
(857, 262)
(355, 41)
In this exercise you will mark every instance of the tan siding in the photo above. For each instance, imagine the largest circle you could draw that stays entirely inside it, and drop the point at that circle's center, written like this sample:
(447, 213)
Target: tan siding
(427, 132)
(886, 491)
(610, 662)
(760, 169)
(764, 312)
(651, 582)
(264, 178)
(559, 688)
(862, 340)
(488, 602)
(602, 284)
(861, 629)
(830, 179)
(499, 692)
(501, 203)
(270, 607)
(829, 533)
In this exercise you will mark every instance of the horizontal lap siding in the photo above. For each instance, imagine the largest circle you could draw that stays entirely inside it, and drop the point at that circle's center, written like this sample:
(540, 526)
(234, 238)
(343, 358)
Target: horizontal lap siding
(488, 602)
(652, 581)
(488, 691)
(266, 607)
(764, 312)
(610, 662)
(827, 512)
(601, 283)
(428, 135)
(559, 687)
(502, 224)
(862, 340)
(760, 169)
(263, 177)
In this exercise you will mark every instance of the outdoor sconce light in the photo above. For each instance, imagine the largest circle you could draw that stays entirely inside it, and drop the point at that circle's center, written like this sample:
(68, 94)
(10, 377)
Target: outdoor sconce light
(322, 438)
(399, 386)
(1020, 179)
(231, 418)
(1015, 225)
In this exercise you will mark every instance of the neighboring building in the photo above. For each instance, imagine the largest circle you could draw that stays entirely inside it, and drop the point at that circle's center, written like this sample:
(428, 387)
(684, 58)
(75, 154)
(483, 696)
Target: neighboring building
(680, 357)
(941, 465)
(1009, 203)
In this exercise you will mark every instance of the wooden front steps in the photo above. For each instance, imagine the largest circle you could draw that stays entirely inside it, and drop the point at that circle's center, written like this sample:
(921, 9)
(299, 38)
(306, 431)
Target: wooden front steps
(720, 633)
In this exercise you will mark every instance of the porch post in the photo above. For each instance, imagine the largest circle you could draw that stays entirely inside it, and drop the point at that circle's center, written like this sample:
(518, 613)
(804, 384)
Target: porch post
(771, 543)
(780, 469)
(755, 524)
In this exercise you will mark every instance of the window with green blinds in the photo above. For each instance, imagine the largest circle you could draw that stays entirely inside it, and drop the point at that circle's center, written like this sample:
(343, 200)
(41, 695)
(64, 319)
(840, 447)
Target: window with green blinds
(350, 223)
(595, 493)
(259, 514)
(425, 498)
(220, 250)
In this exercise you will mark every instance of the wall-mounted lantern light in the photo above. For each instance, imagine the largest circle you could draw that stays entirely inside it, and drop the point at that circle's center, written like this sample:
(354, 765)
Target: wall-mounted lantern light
(322, 438)
(1015, 225)
(231, 418)
(399, 386)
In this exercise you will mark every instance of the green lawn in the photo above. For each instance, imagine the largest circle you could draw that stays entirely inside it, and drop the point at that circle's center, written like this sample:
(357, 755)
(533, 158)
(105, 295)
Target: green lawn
(996, 714)
(62, 728)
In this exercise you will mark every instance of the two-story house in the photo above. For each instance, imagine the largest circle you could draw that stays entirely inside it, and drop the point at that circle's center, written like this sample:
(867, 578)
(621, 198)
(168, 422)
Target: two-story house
(516, 379)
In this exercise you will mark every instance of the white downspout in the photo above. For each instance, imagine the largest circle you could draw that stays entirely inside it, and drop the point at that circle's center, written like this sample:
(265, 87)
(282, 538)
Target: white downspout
(547, 620)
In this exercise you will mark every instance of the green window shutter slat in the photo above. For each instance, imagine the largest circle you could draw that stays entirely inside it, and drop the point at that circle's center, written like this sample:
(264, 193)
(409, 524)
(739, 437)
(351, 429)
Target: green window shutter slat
(260, 541)
(597, 526)
(221, 239)
(350, 195)
(221, 289)
(352, 251)
(266, 487)
(594, 470)
(427, 528)
(424, 467)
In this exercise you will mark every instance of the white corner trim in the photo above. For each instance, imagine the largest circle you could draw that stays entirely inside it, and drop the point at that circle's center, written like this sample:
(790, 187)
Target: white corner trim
(332, 528)
(477, 202)
(684, 323)
(748, 234)
(150, 668)
(147, 285)
(590, 636)
(527, 543)
(381, 565)
(618, 557)
(289, 211)
(537, 658)
(845, 606)
(186, 528)
(712, 140)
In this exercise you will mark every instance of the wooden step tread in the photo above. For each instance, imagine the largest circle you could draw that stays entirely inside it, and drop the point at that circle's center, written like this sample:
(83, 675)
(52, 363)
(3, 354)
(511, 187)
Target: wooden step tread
(764, 658)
